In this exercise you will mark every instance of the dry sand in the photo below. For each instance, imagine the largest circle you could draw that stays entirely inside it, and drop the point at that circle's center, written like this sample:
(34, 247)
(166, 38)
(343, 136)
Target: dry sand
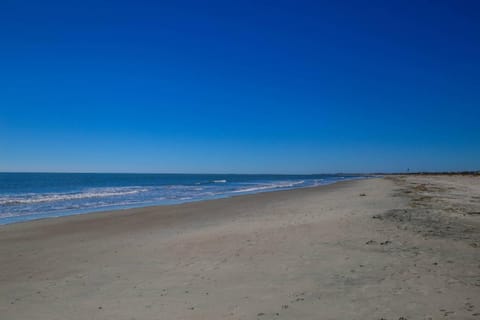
(380, 248)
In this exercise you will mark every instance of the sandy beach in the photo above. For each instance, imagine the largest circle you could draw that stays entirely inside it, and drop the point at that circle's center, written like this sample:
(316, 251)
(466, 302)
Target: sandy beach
(399, 247)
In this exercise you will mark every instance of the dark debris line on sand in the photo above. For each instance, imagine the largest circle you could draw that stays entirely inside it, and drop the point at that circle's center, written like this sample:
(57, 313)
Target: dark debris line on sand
(432, 213)
(436, 212)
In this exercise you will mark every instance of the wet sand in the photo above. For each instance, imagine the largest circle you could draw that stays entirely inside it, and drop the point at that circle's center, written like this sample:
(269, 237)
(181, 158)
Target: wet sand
(401, 246)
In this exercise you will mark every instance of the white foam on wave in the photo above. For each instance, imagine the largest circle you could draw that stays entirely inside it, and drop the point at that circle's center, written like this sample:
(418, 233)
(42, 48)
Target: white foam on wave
(270, 186)
(220, 181)
(52, 197)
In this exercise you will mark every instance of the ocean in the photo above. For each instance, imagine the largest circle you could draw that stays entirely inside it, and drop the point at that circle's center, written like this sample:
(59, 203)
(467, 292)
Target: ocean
(30, 196)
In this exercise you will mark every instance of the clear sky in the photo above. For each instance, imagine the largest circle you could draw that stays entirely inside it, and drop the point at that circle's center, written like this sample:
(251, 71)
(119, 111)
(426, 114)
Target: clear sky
(239, 86)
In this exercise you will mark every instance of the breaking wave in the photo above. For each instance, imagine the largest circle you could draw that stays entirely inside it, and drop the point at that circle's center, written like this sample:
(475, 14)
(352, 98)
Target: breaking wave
(30, 198)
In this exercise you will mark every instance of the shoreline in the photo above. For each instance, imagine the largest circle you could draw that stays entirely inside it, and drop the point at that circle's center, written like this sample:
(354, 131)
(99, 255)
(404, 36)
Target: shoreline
(48, 216)
(392, 247)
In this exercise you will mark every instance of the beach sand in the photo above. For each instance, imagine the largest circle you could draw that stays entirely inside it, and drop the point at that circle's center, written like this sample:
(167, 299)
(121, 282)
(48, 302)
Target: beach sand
(400, 246)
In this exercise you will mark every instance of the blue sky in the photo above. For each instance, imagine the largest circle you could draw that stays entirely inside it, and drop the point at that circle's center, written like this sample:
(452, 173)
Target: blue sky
(239, 86)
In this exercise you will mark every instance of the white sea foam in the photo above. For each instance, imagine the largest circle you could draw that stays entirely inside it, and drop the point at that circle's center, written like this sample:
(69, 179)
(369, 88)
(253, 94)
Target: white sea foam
(219, 181)
(52, 197)
(270, 186)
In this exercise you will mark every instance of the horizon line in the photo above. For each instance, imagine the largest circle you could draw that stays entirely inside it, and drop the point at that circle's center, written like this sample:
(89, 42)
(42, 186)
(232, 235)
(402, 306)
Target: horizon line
(229, 173)
(185, 173)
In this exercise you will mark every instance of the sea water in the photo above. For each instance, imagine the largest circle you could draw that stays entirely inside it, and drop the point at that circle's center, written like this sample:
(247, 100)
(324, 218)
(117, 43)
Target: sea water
(29, 196)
